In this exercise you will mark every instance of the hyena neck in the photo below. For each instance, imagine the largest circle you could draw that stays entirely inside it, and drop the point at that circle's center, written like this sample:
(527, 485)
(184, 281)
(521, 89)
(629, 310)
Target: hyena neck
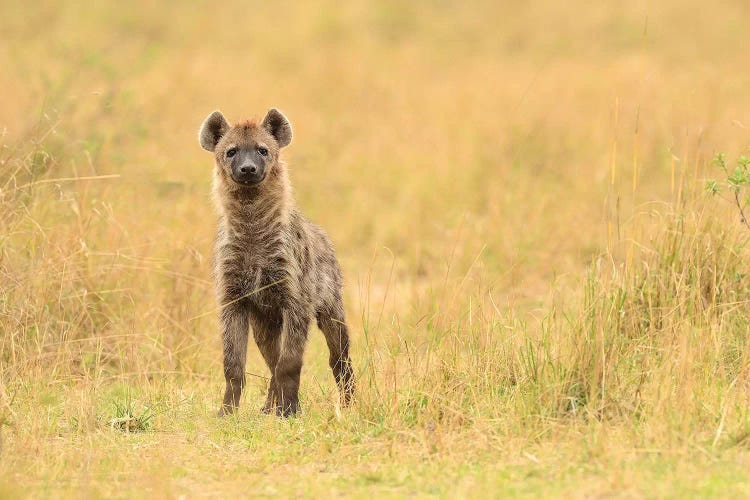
(255, 213)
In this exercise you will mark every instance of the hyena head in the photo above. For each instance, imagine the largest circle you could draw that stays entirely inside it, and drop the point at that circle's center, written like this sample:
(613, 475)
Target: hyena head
(247, 153)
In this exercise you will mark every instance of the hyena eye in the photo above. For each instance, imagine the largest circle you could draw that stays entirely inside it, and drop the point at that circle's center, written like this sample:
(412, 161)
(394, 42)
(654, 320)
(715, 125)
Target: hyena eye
(262, 151)
(231, 152)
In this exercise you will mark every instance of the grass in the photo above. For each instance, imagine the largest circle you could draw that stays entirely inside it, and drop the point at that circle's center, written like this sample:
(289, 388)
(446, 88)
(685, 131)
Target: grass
(544, 298)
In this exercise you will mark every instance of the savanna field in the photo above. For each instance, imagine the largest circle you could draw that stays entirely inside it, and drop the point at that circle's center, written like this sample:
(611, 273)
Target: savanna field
(545, 297)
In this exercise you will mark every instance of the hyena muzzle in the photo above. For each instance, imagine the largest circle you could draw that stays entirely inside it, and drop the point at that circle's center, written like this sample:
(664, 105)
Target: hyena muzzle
(275, 270)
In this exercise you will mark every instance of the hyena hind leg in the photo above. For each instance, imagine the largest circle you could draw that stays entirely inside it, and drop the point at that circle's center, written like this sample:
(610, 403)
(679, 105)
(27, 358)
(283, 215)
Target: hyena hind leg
(332, 323)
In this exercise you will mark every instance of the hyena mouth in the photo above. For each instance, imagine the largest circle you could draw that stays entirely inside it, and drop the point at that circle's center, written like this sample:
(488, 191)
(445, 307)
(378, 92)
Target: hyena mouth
(249, 182)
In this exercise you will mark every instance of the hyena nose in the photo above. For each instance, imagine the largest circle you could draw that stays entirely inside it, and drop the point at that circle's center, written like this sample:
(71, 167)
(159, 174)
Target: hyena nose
(248, 170)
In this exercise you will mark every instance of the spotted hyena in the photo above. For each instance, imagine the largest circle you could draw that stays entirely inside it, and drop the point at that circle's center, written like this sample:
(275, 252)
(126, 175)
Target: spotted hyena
(275, 270)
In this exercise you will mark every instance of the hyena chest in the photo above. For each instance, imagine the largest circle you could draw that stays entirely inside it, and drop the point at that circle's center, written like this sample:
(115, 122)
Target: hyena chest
(260, 282)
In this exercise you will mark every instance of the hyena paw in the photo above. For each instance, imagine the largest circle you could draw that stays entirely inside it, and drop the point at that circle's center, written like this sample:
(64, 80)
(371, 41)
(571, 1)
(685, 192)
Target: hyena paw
(225, 410)
(289, 409)
(346, 399)
(268, 409)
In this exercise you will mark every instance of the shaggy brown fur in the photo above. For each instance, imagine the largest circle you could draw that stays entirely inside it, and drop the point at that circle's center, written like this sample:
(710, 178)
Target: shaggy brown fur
(275, 270)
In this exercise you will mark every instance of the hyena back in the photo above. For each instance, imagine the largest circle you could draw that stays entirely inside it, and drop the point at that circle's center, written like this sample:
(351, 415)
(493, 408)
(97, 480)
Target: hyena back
(275, 270)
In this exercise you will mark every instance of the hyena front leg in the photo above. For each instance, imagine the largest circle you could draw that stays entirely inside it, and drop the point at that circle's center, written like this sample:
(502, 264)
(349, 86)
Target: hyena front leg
(332, 323)
(234, 333)
(289, 365)
(267, 337)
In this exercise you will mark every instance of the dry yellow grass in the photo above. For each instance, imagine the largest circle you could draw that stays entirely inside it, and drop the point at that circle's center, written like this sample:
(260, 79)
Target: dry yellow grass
(543, 301)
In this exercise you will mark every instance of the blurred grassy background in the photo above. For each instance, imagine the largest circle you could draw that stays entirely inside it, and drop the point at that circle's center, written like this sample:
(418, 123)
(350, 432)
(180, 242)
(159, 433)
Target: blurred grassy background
(420, 115)
(469, 161)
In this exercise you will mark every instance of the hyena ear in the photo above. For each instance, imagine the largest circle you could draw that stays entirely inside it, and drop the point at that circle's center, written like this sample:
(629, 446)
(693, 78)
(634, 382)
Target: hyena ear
(276, 123)
(212, 130)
